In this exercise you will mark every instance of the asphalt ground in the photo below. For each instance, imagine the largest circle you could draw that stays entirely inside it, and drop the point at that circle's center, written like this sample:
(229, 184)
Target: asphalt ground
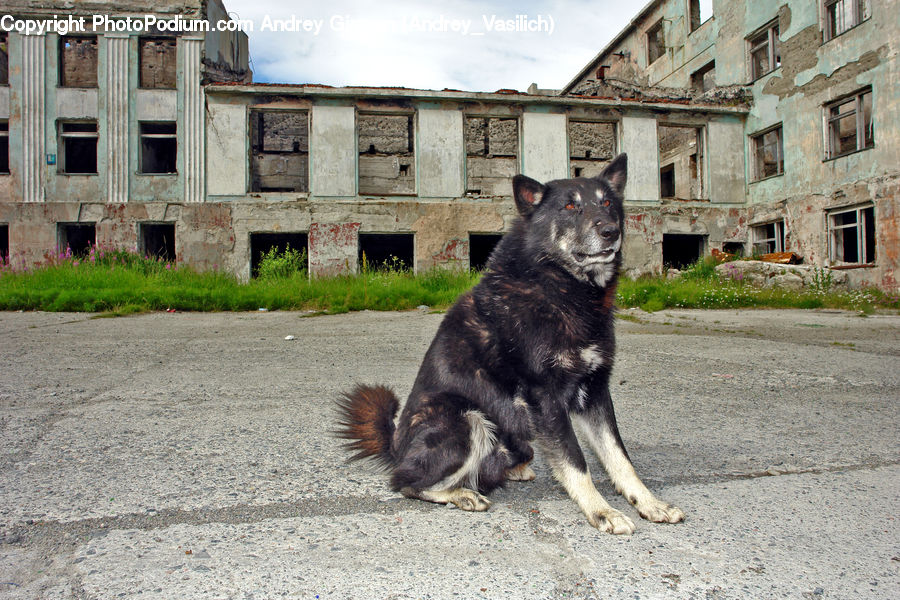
(189, 456)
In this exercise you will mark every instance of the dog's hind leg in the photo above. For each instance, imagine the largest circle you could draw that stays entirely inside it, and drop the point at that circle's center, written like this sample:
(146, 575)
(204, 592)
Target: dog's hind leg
(598, 425)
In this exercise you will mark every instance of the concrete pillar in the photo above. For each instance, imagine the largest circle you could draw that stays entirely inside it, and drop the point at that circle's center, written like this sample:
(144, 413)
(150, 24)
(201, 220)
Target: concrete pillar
(726, 161)
(193, 137)
(440, 153)
(332, 151)
(545, 152)
(117, 101)
(639, 139)
(33, 112)
(226, 152)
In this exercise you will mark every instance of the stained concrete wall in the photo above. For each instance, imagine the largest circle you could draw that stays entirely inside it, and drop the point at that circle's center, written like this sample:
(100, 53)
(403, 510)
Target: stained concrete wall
(545, 154)
(726, 164)
(226, 149)
(639, 141)
(332, 148)
(441, 160)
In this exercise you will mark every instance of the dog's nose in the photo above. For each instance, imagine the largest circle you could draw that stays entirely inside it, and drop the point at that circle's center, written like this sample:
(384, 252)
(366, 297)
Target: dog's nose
(609, 231)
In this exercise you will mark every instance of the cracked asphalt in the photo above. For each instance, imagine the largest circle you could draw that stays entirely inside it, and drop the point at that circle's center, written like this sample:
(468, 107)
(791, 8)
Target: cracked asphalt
(189, 456)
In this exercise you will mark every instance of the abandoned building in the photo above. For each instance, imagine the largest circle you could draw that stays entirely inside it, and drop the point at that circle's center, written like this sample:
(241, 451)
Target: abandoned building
(750, 129)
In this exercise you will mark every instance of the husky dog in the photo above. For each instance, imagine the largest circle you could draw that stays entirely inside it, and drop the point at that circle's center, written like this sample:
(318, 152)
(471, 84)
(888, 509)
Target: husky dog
(525, 356)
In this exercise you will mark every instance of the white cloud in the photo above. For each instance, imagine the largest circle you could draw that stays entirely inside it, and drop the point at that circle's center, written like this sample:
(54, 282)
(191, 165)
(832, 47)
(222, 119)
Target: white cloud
(412, 44)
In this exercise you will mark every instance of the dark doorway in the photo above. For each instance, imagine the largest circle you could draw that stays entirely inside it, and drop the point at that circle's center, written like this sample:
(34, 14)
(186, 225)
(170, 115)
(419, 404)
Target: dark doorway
(681, 250)
(4, 243)
(79, 237)
(667, 181)
(387, 251)
(480, 247)
(262, 243)
(158, 240)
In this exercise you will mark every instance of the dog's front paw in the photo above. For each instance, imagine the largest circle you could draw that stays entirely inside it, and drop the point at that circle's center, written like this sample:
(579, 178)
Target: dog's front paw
(658, 511)
(521, 472)
(467, 499)
(611, 521)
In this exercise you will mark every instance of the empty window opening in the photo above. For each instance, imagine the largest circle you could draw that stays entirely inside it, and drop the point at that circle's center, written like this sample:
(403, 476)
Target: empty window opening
(159, 147)
(386, 149)
(682, 250)
(768, 154)
(4, 243)
(843, 15)
(4, 147)
(850, 124)
(157, 63)
(704, 78)
(765, 51)
(386, 251)
(700, 10)
(263, 243)
(852, 236)
(656, 42)
(481, 245)
(78, 61)
(157, 240)
(4, 58)
(279, 151)
(735, 248)
(78, 148)
(77, 237)
(492, 149)
(768, 238)
(681, 157)
(591, 147)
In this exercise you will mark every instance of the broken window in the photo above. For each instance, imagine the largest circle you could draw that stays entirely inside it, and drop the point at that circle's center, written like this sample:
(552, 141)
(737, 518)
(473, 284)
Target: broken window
(492, 149)
(768, 153)
(765, 51)
(591, 147)
(656, 42)
(157, 63)
(4, 58)
(157, 240)
(4, 146)
(682, 250)
(77, 237)
(704, 78)
(4, 243)
(159, 147)
(78, 147)
(843, 15)
(78, 61)
(263, 243)
(279, 151)
(850, 124)
(481, 245)
(681, 162)
(851, 235)
(768, 238)
(386, 155)
(386, 251)
(700, 10)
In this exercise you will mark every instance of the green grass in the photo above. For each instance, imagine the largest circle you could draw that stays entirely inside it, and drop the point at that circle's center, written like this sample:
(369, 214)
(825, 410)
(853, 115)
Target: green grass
(116, 283)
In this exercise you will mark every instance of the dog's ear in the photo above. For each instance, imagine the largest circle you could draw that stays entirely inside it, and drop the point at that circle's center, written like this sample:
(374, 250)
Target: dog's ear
(528, 194)
(616, 173)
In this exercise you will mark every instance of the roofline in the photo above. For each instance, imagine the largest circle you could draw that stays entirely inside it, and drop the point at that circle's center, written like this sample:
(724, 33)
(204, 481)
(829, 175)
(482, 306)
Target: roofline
(500, 96)
(612, 44)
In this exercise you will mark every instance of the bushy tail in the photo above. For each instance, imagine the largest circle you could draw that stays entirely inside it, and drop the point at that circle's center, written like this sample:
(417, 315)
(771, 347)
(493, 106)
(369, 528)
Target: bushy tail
(366, 419)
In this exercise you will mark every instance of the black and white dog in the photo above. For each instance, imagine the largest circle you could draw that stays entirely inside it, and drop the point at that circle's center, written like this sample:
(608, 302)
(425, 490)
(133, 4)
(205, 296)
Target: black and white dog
(524, 356)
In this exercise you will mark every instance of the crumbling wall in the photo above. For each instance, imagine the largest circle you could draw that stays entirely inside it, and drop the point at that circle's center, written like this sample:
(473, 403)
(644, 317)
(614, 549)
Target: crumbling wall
(157, 63)
(279, 151)
(591, 147)
(78, 61)
(386, 154)
(492, 148)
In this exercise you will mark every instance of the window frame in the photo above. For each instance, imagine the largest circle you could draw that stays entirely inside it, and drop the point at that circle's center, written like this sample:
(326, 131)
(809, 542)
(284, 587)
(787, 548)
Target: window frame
(860, 12)
(771, 31)
(862, 228)
(757, 143)
(142, 136)
(863, 142)
(4, 134)
(761, 236)
(660, 36)
(63, 135)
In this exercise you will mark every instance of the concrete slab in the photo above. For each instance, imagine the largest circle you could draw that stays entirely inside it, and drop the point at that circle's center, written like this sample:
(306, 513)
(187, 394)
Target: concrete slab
(188, 455)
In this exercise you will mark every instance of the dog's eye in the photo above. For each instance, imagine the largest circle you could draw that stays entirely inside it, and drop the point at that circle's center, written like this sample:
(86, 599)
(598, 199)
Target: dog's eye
(570, 206)
(606, 203)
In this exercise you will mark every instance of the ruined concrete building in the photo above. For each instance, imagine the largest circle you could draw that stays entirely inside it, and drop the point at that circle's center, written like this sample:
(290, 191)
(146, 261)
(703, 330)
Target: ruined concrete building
(771, 127)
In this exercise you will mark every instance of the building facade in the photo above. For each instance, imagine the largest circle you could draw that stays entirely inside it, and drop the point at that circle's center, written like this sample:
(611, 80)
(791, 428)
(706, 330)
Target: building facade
(164, 145)
(820, 142)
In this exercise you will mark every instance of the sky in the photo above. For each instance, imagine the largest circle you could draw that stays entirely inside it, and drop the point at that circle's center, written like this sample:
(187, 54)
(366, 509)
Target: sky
(465, 45)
